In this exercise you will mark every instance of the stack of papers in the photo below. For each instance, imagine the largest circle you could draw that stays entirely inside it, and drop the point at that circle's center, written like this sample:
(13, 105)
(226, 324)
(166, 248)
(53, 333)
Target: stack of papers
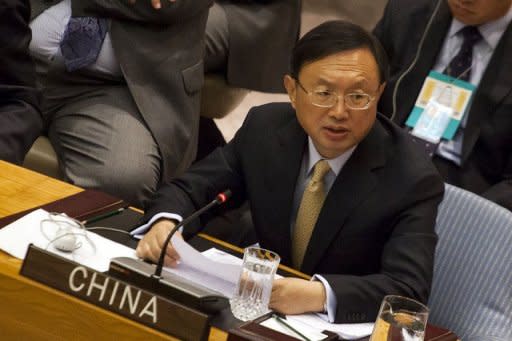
(205, 268)
(310, 325)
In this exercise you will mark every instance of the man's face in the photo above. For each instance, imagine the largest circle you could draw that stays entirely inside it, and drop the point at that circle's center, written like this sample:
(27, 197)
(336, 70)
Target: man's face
(478, 12)
(335, 130)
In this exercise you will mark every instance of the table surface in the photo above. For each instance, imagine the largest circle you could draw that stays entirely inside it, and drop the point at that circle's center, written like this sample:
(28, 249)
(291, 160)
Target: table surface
(31, 310)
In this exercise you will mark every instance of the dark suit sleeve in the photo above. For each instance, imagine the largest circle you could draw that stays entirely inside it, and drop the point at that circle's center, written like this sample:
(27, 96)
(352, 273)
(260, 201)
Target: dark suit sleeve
(20, 119)
(171, 13)
(382, 28)
(406, 262)
(219, 171)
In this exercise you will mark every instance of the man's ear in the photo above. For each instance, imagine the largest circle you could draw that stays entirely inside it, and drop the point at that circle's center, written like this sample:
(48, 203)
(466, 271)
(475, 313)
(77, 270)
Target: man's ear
(291, 88)
(381, 90)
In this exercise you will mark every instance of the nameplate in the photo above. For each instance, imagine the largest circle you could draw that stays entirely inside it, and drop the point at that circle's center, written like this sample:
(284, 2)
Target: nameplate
(115, 295)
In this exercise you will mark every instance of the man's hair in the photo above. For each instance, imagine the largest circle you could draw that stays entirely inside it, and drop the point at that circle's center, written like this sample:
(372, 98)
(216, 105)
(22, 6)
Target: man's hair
(334, 37)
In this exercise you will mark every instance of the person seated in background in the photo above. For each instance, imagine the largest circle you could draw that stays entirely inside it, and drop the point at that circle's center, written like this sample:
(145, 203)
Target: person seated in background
(121, 84)
(248, 42)
(468, 41)
(20, 119)
(335, 189)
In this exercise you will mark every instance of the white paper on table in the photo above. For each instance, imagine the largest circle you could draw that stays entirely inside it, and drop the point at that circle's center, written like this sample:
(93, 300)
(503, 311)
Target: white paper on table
(16, 237)
(349, 331)
(313, 322)
(312, 333)
(198, 268)
(309, 323)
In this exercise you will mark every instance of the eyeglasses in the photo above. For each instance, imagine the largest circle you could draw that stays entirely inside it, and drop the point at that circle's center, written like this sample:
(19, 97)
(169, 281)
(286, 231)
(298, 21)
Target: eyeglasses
(328, 99)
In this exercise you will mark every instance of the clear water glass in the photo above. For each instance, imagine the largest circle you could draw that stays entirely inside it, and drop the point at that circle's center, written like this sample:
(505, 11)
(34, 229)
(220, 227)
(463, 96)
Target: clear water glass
(254, 287)
(400, 319)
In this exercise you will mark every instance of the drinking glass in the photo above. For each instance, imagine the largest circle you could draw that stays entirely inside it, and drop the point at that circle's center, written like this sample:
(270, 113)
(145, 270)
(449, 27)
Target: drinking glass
(254, 286)
(400, 319)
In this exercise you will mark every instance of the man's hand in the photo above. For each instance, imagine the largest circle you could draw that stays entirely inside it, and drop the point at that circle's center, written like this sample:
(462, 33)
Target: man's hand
(155, 3)
(150, 246)
(297, 296)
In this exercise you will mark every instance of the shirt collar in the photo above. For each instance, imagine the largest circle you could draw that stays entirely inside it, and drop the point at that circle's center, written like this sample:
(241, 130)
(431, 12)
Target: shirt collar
(336, 164)
(491, 31)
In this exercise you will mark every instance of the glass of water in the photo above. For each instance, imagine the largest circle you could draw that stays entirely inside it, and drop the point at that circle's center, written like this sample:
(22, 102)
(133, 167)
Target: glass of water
(254, 286)
(400, 319)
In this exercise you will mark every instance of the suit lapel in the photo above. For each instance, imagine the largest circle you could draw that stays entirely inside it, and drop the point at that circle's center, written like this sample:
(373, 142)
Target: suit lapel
(427, 57)
(281, 178)
(353, 184)
(496, 83)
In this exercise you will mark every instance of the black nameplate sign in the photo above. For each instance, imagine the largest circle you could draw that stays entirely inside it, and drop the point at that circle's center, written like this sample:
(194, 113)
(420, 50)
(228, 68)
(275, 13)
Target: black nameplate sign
(115, 295)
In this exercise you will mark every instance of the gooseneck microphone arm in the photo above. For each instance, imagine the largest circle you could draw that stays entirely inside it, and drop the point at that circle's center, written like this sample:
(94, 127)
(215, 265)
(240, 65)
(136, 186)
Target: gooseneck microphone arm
(219, 199)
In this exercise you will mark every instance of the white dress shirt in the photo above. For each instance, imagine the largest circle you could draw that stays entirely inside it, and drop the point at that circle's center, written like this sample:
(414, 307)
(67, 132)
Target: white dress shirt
(482, 52)
(47, 33)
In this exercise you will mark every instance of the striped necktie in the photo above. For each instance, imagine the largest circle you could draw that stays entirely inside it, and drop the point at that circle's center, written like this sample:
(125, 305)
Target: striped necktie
(82, 41)
(460, 66)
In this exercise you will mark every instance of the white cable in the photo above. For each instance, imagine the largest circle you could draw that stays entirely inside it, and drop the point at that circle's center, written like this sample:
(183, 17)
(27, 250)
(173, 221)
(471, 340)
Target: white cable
(411, 66)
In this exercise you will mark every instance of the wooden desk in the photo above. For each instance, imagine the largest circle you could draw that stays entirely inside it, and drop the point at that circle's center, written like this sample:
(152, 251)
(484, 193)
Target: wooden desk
(30, 310)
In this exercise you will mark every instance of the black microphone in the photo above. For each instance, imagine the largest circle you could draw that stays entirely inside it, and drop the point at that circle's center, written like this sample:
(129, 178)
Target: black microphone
(219, 199)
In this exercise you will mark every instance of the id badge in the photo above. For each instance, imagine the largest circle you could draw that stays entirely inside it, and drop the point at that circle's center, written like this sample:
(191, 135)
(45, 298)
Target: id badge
(436, 115)
(433, 121)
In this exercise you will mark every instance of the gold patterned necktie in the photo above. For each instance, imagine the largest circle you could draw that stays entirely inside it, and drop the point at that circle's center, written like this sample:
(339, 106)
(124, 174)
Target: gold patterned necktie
(309, 209)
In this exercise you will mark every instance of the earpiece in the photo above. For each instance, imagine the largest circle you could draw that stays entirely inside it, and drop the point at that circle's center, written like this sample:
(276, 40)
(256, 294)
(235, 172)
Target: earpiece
(66, 234)
(65, 240)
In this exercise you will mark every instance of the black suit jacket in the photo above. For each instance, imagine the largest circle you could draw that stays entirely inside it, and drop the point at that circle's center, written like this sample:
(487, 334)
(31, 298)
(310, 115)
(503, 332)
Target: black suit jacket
(161, 57)
(262, 34)
(487, 146)
(20, 118)
(375, 233)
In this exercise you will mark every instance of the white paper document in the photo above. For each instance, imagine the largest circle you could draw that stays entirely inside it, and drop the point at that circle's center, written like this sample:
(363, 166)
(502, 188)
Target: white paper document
(206, 269)
(349, 331)
(16, 237)
(312, 333)
(308, 324)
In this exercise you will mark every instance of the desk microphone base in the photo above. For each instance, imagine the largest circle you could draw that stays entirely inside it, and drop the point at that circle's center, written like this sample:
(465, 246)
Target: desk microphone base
(170, 286)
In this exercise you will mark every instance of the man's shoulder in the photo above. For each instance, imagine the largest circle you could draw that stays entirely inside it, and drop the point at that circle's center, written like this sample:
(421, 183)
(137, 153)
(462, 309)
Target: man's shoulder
(408, 6)
(271, 113)
(403, 150)
(274, 107)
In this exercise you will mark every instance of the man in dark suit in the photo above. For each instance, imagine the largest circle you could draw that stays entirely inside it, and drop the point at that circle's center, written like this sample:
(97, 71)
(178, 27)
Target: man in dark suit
(424, 35)
(373, 235)
(129, 120)
(20, 119)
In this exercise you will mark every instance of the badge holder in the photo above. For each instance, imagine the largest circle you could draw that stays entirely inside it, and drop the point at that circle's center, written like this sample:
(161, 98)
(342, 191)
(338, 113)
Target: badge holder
(434, 120)
(439, 109)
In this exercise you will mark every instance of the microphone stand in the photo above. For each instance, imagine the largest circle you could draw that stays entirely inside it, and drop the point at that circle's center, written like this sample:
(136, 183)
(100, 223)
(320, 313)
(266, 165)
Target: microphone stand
(144, 276)
(219, 199)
